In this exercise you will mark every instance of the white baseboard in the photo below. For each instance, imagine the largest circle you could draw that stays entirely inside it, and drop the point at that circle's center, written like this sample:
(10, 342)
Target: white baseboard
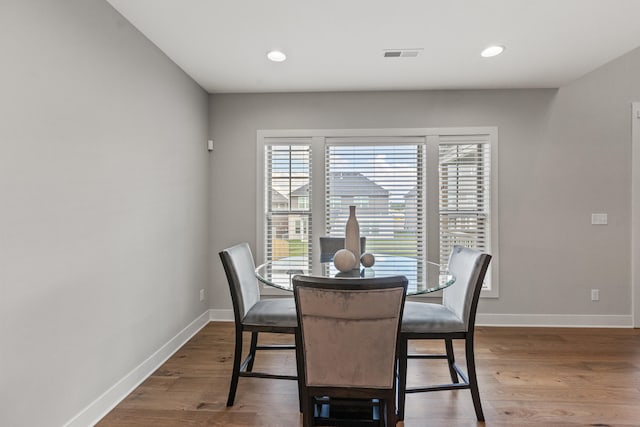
(556, 320)
(97, 409)
(219, 315)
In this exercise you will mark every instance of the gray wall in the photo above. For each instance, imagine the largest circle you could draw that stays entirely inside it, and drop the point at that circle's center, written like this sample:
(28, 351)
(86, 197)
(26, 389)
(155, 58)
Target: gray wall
(103, 205)
(563, 154)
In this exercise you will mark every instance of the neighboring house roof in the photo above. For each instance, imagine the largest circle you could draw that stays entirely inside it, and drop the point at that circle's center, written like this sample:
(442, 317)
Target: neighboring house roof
(300, 191)
(343, 183)
(278, 197)
(411, 193)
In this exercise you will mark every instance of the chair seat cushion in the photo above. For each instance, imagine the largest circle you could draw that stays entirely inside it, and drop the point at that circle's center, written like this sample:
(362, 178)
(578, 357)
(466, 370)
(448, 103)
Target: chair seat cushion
(272, 312)
(420, 317)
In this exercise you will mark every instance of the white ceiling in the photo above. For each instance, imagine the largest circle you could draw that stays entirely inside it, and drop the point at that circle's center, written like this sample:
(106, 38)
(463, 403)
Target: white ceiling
(337, 45)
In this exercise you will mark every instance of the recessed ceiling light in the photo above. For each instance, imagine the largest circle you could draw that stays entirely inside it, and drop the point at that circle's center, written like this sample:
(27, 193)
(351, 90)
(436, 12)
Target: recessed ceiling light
(276, 56)
(492, 51)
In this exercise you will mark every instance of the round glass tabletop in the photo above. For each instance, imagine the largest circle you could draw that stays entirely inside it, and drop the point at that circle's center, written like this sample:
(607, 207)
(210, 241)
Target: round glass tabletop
(424, 277)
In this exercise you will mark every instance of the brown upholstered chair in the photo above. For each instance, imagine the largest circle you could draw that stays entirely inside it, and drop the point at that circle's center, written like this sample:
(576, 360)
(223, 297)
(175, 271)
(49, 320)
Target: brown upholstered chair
(253, 314)
(347, 341)
(453, 319)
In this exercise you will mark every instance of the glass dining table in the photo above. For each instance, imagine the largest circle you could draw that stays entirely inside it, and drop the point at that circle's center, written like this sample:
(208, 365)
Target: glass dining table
(424, 277)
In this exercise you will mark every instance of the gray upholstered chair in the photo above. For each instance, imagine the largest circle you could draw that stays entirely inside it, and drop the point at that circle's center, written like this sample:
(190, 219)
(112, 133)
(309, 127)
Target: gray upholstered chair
(330, 245)
(253, 314)
(453, 319)
(347, 342)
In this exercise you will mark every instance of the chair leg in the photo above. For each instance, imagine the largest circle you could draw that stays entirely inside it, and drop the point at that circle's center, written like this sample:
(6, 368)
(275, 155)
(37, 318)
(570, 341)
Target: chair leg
(252, 350)
(473, 381)
(308, 412)
(390, 411)
(237, 359)
(402, 375)
(451, 360)
(299, 373)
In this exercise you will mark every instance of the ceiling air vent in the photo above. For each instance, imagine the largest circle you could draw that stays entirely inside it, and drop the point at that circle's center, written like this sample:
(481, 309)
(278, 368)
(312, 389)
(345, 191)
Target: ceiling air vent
(401, 53)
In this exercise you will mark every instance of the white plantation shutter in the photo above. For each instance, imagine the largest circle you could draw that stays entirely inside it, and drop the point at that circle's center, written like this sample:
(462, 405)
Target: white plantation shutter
(464, 197)
(288, 220)
(384, 179)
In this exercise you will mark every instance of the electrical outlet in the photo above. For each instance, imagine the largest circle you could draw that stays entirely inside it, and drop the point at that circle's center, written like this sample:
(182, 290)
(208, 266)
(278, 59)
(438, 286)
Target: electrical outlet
(595, 294)
(599, 219)
(201, 294)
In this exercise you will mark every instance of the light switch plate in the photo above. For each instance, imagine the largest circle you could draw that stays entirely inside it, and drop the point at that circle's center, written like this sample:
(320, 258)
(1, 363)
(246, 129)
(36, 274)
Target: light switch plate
(599, 218)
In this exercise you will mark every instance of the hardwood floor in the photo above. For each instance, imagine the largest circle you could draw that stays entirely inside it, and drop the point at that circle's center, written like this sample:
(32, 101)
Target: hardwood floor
(527, 376)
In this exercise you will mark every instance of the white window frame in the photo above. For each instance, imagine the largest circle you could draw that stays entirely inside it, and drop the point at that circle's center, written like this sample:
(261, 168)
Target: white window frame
(304, 205)
(431, 139)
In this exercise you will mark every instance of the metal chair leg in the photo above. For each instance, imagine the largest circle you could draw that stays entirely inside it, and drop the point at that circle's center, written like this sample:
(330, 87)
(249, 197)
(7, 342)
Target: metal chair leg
(252, 351)
(451, 360)
(473, 381)
(390, 412)
(308, 412)
(402, 376)
(237, 359)
(299, 373)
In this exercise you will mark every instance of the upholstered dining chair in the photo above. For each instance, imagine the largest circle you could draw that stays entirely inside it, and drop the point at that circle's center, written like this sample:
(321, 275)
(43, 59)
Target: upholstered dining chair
(253, 315)
(453, 319)
(330, 245)
(347, 341)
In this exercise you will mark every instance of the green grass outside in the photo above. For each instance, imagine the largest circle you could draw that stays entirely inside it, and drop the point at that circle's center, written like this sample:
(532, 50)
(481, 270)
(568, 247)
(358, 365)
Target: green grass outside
(375, 245)
(298, 247)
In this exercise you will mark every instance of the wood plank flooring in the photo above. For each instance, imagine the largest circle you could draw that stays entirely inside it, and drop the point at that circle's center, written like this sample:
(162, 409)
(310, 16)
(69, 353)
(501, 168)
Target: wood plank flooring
(528, 377)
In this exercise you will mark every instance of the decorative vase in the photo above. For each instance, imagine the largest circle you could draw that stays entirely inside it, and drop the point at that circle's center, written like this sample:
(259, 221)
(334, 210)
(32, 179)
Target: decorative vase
(352, 235)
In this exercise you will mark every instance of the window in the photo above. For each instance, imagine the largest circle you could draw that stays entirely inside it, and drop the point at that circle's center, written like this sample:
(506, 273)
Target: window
(375, 175)
(417, 192)
(303, 202)
(287, 214)
(464, 176)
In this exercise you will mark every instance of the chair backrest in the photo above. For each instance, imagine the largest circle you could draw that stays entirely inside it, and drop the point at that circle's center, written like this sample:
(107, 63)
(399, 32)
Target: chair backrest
(240, 270)
(348, 330)
(330, 245)
(469, 267)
